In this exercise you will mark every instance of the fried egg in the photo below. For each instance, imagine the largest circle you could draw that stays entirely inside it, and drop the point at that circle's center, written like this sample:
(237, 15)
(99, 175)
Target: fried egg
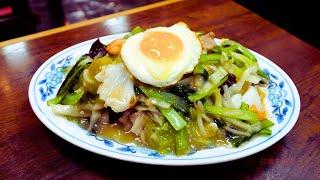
(161, 56)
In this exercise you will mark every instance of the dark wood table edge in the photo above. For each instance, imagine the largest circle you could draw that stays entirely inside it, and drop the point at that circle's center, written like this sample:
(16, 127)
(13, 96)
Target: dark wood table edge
(86, 23)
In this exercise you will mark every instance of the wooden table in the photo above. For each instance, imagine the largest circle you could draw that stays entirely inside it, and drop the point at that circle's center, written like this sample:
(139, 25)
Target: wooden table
(29, 150)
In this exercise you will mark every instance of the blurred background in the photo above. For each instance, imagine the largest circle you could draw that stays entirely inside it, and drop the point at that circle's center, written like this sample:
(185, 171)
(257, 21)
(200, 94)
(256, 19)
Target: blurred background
(22, 17)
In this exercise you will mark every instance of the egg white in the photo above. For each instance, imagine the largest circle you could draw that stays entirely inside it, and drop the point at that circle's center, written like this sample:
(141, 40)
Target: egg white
(162, 73)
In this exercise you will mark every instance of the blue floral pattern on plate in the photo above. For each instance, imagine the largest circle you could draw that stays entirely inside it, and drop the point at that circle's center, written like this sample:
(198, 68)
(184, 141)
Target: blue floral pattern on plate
(54, 77)
(277, 96)
(127, 148)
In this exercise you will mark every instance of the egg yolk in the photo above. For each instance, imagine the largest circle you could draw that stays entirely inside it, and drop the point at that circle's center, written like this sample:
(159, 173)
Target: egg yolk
(161, 46)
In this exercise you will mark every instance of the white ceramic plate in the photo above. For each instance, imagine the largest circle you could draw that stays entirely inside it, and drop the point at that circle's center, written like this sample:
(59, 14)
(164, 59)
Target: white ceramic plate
(283, 103)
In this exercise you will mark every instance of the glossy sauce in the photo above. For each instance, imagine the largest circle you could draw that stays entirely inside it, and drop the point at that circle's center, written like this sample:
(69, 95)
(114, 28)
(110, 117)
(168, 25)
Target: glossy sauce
(116, 132)
(199, 141)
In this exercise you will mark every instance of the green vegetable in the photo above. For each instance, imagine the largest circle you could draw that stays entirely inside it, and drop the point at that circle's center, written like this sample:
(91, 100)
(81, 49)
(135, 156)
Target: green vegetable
(165, 98)
(214, 57)
(237, 46)
(244, 106)
(193, 113)
(265, 131)
(160, 138)
(217, 76)
(160, 103)
(217, 97)
(217, 49)
(169, 113)
(199, 69)
(262, 74)
(239, 63)
(232, 113)
(228, 48)
(55, 100)
(239, 124)
(177, 102)
(182, 142)
(174, 118)
(134, 31)
(205, 90)
(71, 80)
(252, 129)
(249, 128)
(266, 123)
(241, 60)
(199, 141)
(215, 80)
(262, 127)
(70, 110)
(238, 140)
(74, 97)
(234, 69)
(237, 71)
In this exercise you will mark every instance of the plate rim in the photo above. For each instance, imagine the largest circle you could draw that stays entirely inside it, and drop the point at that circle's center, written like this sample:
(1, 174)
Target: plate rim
(171, 162)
